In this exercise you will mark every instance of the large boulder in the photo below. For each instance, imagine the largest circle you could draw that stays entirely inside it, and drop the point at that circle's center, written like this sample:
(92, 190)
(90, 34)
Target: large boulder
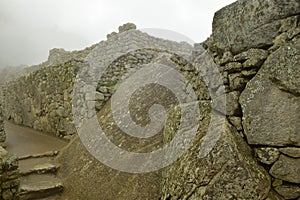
(287, 169)
(228, 171)
(271, 102)
(251, 24)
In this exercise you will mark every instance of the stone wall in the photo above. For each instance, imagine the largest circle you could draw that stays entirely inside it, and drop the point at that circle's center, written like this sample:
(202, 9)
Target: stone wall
(10, 178)
(256, 45)
(43, 99)
(75, 158)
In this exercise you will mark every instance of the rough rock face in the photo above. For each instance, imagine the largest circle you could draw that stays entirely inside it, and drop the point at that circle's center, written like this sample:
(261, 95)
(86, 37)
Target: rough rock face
(10, 176)
(251, 24)
(42, 100)
(258, 55)
(271, 102)
(2, 132)
(227, 172)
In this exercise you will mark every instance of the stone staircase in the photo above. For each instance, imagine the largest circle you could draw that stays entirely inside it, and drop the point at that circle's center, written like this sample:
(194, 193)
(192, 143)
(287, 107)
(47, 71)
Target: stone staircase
(38, 177)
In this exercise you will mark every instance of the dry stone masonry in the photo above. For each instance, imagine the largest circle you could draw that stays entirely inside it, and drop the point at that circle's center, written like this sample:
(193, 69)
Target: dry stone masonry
(42, 100)
(10, 178)
(256, 48)
(258, 52)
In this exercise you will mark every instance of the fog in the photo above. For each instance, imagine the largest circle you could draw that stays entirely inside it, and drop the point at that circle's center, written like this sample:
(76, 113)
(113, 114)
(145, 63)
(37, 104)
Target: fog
(30, 28)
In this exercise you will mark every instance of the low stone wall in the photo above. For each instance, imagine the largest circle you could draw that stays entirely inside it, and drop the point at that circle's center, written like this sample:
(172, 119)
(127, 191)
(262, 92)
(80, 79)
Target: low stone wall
(10, 177)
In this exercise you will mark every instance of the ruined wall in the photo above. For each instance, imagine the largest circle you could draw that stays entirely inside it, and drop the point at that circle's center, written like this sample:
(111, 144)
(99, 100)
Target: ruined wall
(256, 46)
(10, 178)
(75, 158)
(43, 99)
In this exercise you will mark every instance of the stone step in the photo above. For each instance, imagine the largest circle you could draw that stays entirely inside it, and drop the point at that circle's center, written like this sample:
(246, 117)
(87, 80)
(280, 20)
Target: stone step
(41, 155)
(53, 197)
(38, 165)
(37, 186)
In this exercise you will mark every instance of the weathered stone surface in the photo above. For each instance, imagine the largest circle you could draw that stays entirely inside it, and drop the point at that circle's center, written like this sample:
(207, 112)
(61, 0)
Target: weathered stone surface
(254, 58)
(274, 196)
(126, 27)
(267, 155)
(288, 191)
(237, 82)
(236, 122)
(232, 104)
(84, 177)
(289, 29)
(277, 182)
(251, 56)
(227, 57)
(291, 151)
(284, 67)
(249, 73)
(270, 104)
(250, 24)
(287, 169)
(111, 35)
(233, 67)
(9, 176)
(227, 172)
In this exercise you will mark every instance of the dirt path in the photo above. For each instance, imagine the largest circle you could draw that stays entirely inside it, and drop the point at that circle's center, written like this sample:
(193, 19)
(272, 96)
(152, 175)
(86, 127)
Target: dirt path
(25, 141)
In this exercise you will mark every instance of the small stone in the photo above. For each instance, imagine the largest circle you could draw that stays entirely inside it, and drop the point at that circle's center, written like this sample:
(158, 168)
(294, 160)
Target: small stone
(11, 162)
(111, 35)
(232, 104)
(236, 122)
(227, 57)
(291, 151)
(126, 27)
(237, 82)
(287, 169)
(267, 155)
(99, 96)
(10, 184)
(249, 73)
(7, 195)
(277, 182)
(98, 105)
(61, 112)
(252, 56)
(274, 196)
(288, 191)
(102, 90)
(233, 67)
(3, 152)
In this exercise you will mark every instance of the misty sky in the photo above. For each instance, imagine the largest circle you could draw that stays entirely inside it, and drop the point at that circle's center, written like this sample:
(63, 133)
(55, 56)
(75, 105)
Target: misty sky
(30, 28)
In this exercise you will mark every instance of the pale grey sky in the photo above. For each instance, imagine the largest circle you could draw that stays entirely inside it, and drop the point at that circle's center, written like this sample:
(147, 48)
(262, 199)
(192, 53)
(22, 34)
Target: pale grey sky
(30, 28)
